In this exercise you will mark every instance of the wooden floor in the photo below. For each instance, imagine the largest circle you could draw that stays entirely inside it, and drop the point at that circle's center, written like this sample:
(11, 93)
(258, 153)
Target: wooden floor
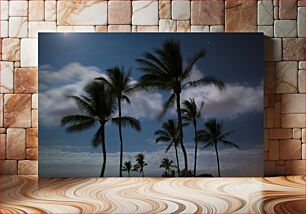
(153, 195)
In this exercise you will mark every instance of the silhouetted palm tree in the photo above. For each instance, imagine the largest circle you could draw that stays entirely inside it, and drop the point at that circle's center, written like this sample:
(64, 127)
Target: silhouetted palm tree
(167, 164)
(139, 166)
(170, 133)
(166, 70)
(213, 135)
(127, 167)
(120, 85)
(95, 108)
(191, 113)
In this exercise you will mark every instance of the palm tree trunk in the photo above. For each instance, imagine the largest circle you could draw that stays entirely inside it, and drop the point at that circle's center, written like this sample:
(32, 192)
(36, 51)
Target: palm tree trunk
(177, 162)
(180, 123)
(195, 148)
(120, 136)
(103, 150)
(129, 174)
(217, 160)
(142, 173)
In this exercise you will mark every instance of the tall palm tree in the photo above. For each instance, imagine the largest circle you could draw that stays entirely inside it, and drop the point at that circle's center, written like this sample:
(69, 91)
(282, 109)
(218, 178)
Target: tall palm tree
(139, 166)
(170, 133)
(166, 70)
(191, 113)
(95, 108)
(213, 135)
(120, 85)
(127, 167)
(167, 164)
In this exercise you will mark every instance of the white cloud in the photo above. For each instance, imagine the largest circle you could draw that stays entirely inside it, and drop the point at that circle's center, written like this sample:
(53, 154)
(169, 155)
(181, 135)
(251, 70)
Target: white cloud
(235, 99)
(55, 161)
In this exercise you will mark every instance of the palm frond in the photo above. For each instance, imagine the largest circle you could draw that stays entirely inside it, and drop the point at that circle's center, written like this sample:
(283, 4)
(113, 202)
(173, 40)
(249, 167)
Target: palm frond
(97, 139)
(83, 105)
(191, 62)
(208, 80)
(229, 144)
(168, 104)
(128, 121)
(81, 126)
(75, 119)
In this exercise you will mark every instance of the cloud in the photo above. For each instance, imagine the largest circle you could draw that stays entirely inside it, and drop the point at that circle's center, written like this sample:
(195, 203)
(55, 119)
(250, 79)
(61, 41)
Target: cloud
(234, 100)
(54, 161)
(56, 85)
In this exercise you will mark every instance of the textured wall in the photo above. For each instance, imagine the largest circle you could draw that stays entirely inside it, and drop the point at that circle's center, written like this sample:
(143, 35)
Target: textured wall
(282, 21)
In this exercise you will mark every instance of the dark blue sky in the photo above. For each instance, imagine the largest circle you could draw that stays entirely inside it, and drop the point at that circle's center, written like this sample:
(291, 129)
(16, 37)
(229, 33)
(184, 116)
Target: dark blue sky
(235, 58)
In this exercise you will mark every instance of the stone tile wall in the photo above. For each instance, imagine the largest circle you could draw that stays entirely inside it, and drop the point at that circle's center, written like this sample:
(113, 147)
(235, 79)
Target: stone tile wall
(282, 21)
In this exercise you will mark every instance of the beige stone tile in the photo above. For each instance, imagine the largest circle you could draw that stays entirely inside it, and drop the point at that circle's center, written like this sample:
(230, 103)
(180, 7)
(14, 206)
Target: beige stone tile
(2, 130)
(297, 133)
(1, 111)
(280, 170)
(144, 28)
(295, 167)
(81, 12)
(266, 30)
(290, 149)
(293, 103)
(18, 27)
(18, 8)
(216, 28)
(269, 77)
(272, 49)
(35, 27)
(302, 65)
(167, 25)
(277, 118)
(301, 80)
(266, 140)
(304, 135)
(183, 26)
(293, 120)
(265, 12)
(34, 118)
(270, 118)
(119, 28)
(4, 9)
(273, 150)
(269, 168)
(2, 146)
(17, 110)
(15, 144)
(180, 10)
(285, 28)
(287, 9)
(280, 133)
(145, 13)
(32, 138)
(34, 101)
(301, 3)
(164, 9)
(50, 10)
(32, 154)
(29, 53)
(26, 80)
(301, 22)
(239, 16)
(207, 12)
(4, 29)
(36, 10)
(303, 151)
(119, 12)
(8, 167)
(11, 49)
(275, 13)
(75, 29)
(199, 28)
(27, 167)
(293, 48)
(6, 77)
(286, 77)
(101, 28)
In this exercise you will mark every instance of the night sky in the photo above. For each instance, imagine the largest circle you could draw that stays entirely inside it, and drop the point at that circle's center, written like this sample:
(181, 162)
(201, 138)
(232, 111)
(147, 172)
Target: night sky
(67, 61)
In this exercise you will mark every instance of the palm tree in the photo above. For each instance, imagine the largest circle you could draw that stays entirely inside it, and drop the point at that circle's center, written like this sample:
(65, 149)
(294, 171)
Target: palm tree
(95, 108)
(166, 70)
(139, 167)
(191, 113)
(213, 135)
(170, 133)
(167, 164)
(120, 85)
(127, 167)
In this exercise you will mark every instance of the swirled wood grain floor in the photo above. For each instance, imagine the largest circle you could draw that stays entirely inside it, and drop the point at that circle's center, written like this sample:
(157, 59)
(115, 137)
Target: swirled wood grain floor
(153, 195)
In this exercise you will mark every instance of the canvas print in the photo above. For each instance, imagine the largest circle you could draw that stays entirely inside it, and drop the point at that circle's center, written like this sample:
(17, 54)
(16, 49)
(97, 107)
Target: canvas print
(150, 104)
